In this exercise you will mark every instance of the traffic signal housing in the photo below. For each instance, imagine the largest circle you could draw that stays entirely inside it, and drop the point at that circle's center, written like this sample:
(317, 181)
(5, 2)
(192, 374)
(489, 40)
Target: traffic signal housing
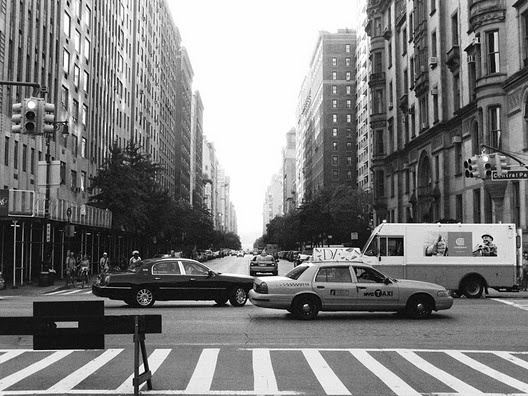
(486, 165)
(471, 165)
(47, 118)
(31, 116)
(501, 164)
(16, 118)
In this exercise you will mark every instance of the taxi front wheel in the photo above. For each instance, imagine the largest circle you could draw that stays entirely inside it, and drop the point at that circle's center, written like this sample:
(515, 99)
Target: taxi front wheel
(419, 307)
(305, 307)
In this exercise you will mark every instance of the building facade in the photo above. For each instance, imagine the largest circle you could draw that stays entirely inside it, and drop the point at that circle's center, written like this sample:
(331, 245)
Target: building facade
(289, 194)
(448, 80)
(273, 200)
(326, 116)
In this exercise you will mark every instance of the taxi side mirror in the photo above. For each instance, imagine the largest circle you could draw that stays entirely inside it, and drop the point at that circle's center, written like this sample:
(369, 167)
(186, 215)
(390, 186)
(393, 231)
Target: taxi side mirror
(387, 281)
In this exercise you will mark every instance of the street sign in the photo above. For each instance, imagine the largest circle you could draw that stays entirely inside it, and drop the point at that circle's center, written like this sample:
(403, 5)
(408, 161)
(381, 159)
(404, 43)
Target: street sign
(510, 175)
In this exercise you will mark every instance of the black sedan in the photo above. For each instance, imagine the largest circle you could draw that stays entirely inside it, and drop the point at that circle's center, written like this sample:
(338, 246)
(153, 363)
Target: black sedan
(167, 279)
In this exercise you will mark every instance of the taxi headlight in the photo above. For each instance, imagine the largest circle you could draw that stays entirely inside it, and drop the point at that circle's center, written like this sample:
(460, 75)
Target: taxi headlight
(442, 293)
(262, 288)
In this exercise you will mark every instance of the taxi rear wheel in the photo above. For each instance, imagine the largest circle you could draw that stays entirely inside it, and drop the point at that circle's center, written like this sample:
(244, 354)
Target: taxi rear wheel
(238, 297)
(305, 307)
(419, 307)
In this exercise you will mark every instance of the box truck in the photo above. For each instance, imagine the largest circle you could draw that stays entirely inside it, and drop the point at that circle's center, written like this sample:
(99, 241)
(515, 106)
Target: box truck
(465, 258)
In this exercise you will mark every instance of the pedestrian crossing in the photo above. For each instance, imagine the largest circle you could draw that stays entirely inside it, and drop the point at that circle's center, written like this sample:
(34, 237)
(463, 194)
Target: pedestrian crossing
(67, 292)
(267, 371)
(517, 303)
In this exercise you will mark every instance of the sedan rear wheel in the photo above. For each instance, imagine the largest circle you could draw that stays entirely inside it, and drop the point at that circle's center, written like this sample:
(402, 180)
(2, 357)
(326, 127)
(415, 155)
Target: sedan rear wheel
(305, 307)
(238, 297)
(419, 307)
(144, 298)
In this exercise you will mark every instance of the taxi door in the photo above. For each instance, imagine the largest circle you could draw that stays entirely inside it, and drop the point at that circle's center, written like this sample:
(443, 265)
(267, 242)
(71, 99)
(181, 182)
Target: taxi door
(335, 287)
(373, 291)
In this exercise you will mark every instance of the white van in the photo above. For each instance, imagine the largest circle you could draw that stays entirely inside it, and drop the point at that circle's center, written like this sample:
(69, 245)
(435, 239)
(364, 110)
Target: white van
(465, 258)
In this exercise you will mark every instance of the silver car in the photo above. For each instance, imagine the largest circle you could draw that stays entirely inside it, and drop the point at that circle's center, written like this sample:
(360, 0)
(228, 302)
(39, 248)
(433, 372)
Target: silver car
(346, 286)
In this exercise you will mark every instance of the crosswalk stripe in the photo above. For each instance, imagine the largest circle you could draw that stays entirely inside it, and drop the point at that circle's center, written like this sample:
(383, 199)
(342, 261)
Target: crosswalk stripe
(451, 381)
(395, 383)
(154, 360)
(512, 359)
(202, 376)
(506, 379)
(84, 372)
(72, 292)
(324, 374)
(8, 381)
(264, 376)
(10, 355)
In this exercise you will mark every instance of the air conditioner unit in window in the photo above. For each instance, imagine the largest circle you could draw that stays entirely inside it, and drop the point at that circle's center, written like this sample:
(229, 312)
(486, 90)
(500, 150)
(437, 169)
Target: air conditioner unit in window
(476, 40)
(471, 58)
(434, 91)
(432, 61)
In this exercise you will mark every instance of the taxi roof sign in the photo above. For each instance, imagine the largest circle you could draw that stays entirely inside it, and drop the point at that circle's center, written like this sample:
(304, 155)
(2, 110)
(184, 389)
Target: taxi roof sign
(336, 254)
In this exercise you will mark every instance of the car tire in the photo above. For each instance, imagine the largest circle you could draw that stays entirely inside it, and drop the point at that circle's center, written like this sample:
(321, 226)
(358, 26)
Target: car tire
(221, 300)
(472, 288)
(305, 307)
(419, 307)
(238, 297)
(144, 297)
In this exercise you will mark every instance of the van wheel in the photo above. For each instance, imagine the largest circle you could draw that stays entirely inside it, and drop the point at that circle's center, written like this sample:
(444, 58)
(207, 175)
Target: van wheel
(472, 288)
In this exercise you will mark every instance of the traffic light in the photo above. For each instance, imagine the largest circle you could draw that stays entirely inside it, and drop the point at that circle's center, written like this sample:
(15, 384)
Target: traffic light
(471, 166)
(47, 117)
(16, 118)
(31, 116)
(501, 164)
(486, 165)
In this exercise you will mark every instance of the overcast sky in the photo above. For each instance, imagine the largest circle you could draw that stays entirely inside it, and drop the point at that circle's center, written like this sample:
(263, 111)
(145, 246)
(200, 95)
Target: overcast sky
(249, 59)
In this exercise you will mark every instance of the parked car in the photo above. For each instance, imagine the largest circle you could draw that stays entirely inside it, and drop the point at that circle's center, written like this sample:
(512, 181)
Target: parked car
(346, 286)
(240, 253)
(166, 279)
(263, 264)
(2, 282)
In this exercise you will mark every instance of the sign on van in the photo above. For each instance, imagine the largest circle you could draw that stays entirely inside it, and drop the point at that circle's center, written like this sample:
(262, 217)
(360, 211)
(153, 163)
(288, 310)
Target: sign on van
(335, 254)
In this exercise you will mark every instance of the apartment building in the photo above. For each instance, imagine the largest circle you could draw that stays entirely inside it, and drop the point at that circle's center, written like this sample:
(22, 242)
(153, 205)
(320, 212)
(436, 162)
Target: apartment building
(289, 194)
(448, 79)
(326, 116)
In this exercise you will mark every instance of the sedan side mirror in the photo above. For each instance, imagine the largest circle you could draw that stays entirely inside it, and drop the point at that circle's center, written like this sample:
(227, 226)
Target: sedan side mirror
(210, 273)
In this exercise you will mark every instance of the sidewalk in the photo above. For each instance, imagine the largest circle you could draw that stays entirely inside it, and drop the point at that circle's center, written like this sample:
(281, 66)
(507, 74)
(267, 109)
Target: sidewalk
(34, 289)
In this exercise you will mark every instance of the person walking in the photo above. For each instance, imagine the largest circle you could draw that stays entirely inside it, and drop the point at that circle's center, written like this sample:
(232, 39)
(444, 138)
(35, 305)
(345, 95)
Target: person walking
(135, 258)
(524, 279)
(71, 264)
(104, 263)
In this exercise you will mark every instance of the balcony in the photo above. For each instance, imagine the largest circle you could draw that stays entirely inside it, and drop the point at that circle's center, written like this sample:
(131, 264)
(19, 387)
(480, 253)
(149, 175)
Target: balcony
(453, 58)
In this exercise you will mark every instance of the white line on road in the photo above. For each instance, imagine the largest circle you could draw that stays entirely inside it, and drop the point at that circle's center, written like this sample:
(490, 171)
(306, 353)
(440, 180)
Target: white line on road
(264, 376)
(203, 374)
(324, 374)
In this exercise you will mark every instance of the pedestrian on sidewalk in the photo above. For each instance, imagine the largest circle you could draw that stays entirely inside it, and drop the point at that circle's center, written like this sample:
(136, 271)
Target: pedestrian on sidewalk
(135, 257)
(104, 263)
(524, 279)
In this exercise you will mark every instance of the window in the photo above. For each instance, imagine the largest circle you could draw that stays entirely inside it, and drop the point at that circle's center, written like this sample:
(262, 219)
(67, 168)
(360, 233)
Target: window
(404, 40)
(380, 149)
(84, 114)
(86, 49)
(83, 148)
(6, 151)
(348, 76)
(166, 268)
(348, 104)
(349, 175)
(348, 62)
(75, 111)
(334, 89)
(433, 43)
(368, 275)
(525, 34)
(334, 75)
(15, 155)
(334, 132)
(64, 97)
(348, 90)
(87, 16)
(335, 174)
(335, 160)
(32, 162)
(335, 146)
(349, 118)
(67, 25)
(24, 157)
(495, 126)
(334, 61)
(454, 29)
(493, 52)
(63, 172)
(348, 48)
(83, 181)
(334, 104)
(73, 181)
(76, 75)
(86, 82)
(349, 146)
(334, 118)
(66, 62)
(339, 274)
(349, 132)
(75, 145)
(77, 41)
(349, 161)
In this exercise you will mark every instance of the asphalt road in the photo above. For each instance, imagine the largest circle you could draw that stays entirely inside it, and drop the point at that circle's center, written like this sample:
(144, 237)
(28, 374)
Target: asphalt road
(207, 349)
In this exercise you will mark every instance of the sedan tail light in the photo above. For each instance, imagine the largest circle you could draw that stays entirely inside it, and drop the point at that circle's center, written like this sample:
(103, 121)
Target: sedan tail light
(261, 288)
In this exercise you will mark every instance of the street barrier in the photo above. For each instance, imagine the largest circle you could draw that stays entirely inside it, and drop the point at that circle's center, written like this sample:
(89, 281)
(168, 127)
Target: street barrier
(83, 325)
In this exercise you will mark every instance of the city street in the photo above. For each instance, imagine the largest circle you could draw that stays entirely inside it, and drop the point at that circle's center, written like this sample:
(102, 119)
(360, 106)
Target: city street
(477, 346)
